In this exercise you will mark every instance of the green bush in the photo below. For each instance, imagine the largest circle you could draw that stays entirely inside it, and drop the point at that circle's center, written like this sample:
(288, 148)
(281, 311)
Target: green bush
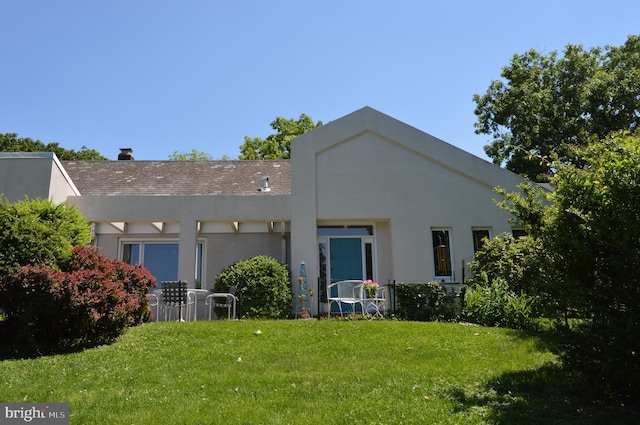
(522, 263)
(39, 233)
(262, 287)
(55, 294)
(90, 302)
(424, 302)
(494, 304)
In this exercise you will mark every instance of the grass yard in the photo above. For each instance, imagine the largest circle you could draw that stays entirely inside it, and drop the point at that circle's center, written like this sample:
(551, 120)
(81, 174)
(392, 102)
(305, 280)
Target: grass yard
(314, 372)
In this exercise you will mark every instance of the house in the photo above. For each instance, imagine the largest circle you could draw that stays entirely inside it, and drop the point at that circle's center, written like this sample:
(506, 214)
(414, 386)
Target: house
(364, 196)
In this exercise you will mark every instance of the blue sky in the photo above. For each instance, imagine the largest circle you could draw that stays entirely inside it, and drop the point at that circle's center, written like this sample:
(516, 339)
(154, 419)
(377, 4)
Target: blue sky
(160, 76)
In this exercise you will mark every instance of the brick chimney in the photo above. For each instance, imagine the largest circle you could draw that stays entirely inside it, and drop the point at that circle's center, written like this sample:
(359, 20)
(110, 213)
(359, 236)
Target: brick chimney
(126, 154)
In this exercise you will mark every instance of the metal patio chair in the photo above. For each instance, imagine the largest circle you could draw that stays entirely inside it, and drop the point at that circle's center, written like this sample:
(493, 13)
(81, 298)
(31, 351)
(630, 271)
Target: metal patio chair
(154, 303)
(174, 298)
(226, 300)
(348, 292)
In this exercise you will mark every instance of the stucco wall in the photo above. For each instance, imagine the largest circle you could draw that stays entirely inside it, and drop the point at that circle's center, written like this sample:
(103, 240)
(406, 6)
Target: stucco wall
(368, 168)
(34, 174)
(357, 180)
(61, 186)
(225, 249)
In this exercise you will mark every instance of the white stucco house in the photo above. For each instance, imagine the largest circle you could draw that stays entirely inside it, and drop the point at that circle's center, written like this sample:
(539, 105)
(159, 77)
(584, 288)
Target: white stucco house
(363, 197)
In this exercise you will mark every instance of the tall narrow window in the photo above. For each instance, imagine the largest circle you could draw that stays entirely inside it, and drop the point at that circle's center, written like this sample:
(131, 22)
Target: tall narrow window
(368, 260)
(199, 247)
(322, 262)
(131, 253)
(480, 236)
(441, 252)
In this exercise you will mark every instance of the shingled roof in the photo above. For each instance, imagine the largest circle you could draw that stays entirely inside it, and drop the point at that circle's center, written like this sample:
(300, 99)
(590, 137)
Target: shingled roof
(165, 178)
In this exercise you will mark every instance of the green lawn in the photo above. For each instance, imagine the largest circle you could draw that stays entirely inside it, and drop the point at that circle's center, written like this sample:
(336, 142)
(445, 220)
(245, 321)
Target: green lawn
(314, 372)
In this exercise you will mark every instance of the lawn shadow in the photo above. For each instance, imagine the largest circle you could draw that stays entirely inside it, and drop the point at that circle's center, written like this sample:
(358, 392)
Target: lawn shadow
(548, 395)
(14, 347)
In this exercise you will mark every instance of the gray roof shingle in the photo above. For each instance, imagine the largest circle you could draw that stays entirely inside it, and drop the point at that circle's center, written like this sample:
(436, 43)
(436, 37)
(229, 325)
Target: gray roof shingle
(165, 178)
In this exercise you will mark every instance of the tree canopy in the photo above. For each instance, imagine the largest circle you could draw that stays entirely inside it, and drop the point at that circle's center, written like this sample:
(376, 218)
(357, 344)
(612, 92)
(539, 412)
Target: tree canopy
(10, 142)
(194, 155)
(582, 256)
(547, 104)
(277, 145)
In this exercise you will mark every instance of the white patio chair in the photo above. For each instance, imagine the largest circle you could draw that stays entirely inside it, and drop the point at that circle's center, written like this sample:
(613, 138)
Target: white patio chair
(345, 292)
(193, 296)
(226, 300)
(192, 306)
(154, 303)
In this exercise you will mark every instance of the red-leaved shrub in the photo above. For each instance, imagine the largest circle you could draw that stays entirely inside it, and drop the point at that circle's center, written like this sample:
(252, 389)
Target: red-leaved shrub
(90, 302)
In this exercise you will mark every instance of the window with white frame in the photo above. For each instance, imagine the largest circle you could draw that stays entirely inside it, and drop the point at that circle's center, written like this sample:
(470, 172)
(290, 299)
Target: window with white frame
(442, 258)
(160, 258)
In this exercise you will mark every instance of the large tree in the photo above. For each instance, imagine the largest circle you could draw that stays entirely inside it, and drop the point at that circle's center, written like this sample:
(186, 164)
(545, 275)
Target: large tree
(277, 145)
(582, 257)
(546, 104)
(10, 142)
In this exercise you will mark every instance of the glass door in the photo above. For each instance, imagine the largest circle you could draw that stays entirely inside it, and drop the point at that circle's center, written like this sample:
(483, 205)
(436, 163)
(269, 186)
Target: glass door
(345, 259)
(345, 253)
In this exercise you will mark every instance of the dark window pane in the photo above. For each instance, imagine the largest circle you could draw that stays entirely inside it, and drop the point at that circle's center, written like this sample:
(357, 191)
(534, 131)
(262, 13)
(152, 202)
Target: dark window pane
(345, 231)
(518, 233)
(441, 252)
(162, 260)
(479, 236)
(368, 259)
(322, 252)
(131, 253)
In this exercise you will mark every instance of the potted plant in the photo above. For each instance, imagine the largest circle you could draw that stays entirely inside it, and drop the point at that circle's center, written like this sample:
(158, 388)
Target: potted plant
(371, 288)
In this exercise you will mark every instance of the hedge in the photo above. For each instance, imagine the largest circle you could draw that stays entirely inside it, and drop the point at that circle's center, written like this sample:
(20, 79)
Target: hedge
(426, 302)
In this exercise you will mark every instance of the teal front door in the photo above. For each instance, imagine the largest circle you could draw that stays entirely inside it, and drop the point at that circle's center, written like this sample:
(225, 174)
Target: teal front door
(345, 261)
(345, 256)
(344, 253)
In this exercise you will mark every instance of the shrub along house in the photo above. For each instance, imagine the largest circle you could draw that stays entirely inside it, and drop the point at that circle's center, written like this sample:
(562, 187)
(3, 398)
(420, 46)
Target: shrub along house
(363, 197)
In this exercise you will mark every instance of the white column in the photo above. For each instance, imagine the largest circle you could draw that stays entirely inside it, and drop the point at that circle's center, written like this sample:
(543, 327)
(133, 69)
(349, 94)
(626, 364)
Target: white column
(187, 250)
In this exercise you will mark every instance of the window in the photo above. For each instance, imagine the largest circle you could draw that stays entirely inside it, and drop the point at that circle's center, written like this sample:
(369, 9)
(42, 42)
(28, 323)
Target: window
(368, 260)
(441, 253)
(345, 230)
(479, 236)
(518, 233)
(131, 253)
(322, 252)
(161, 258)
